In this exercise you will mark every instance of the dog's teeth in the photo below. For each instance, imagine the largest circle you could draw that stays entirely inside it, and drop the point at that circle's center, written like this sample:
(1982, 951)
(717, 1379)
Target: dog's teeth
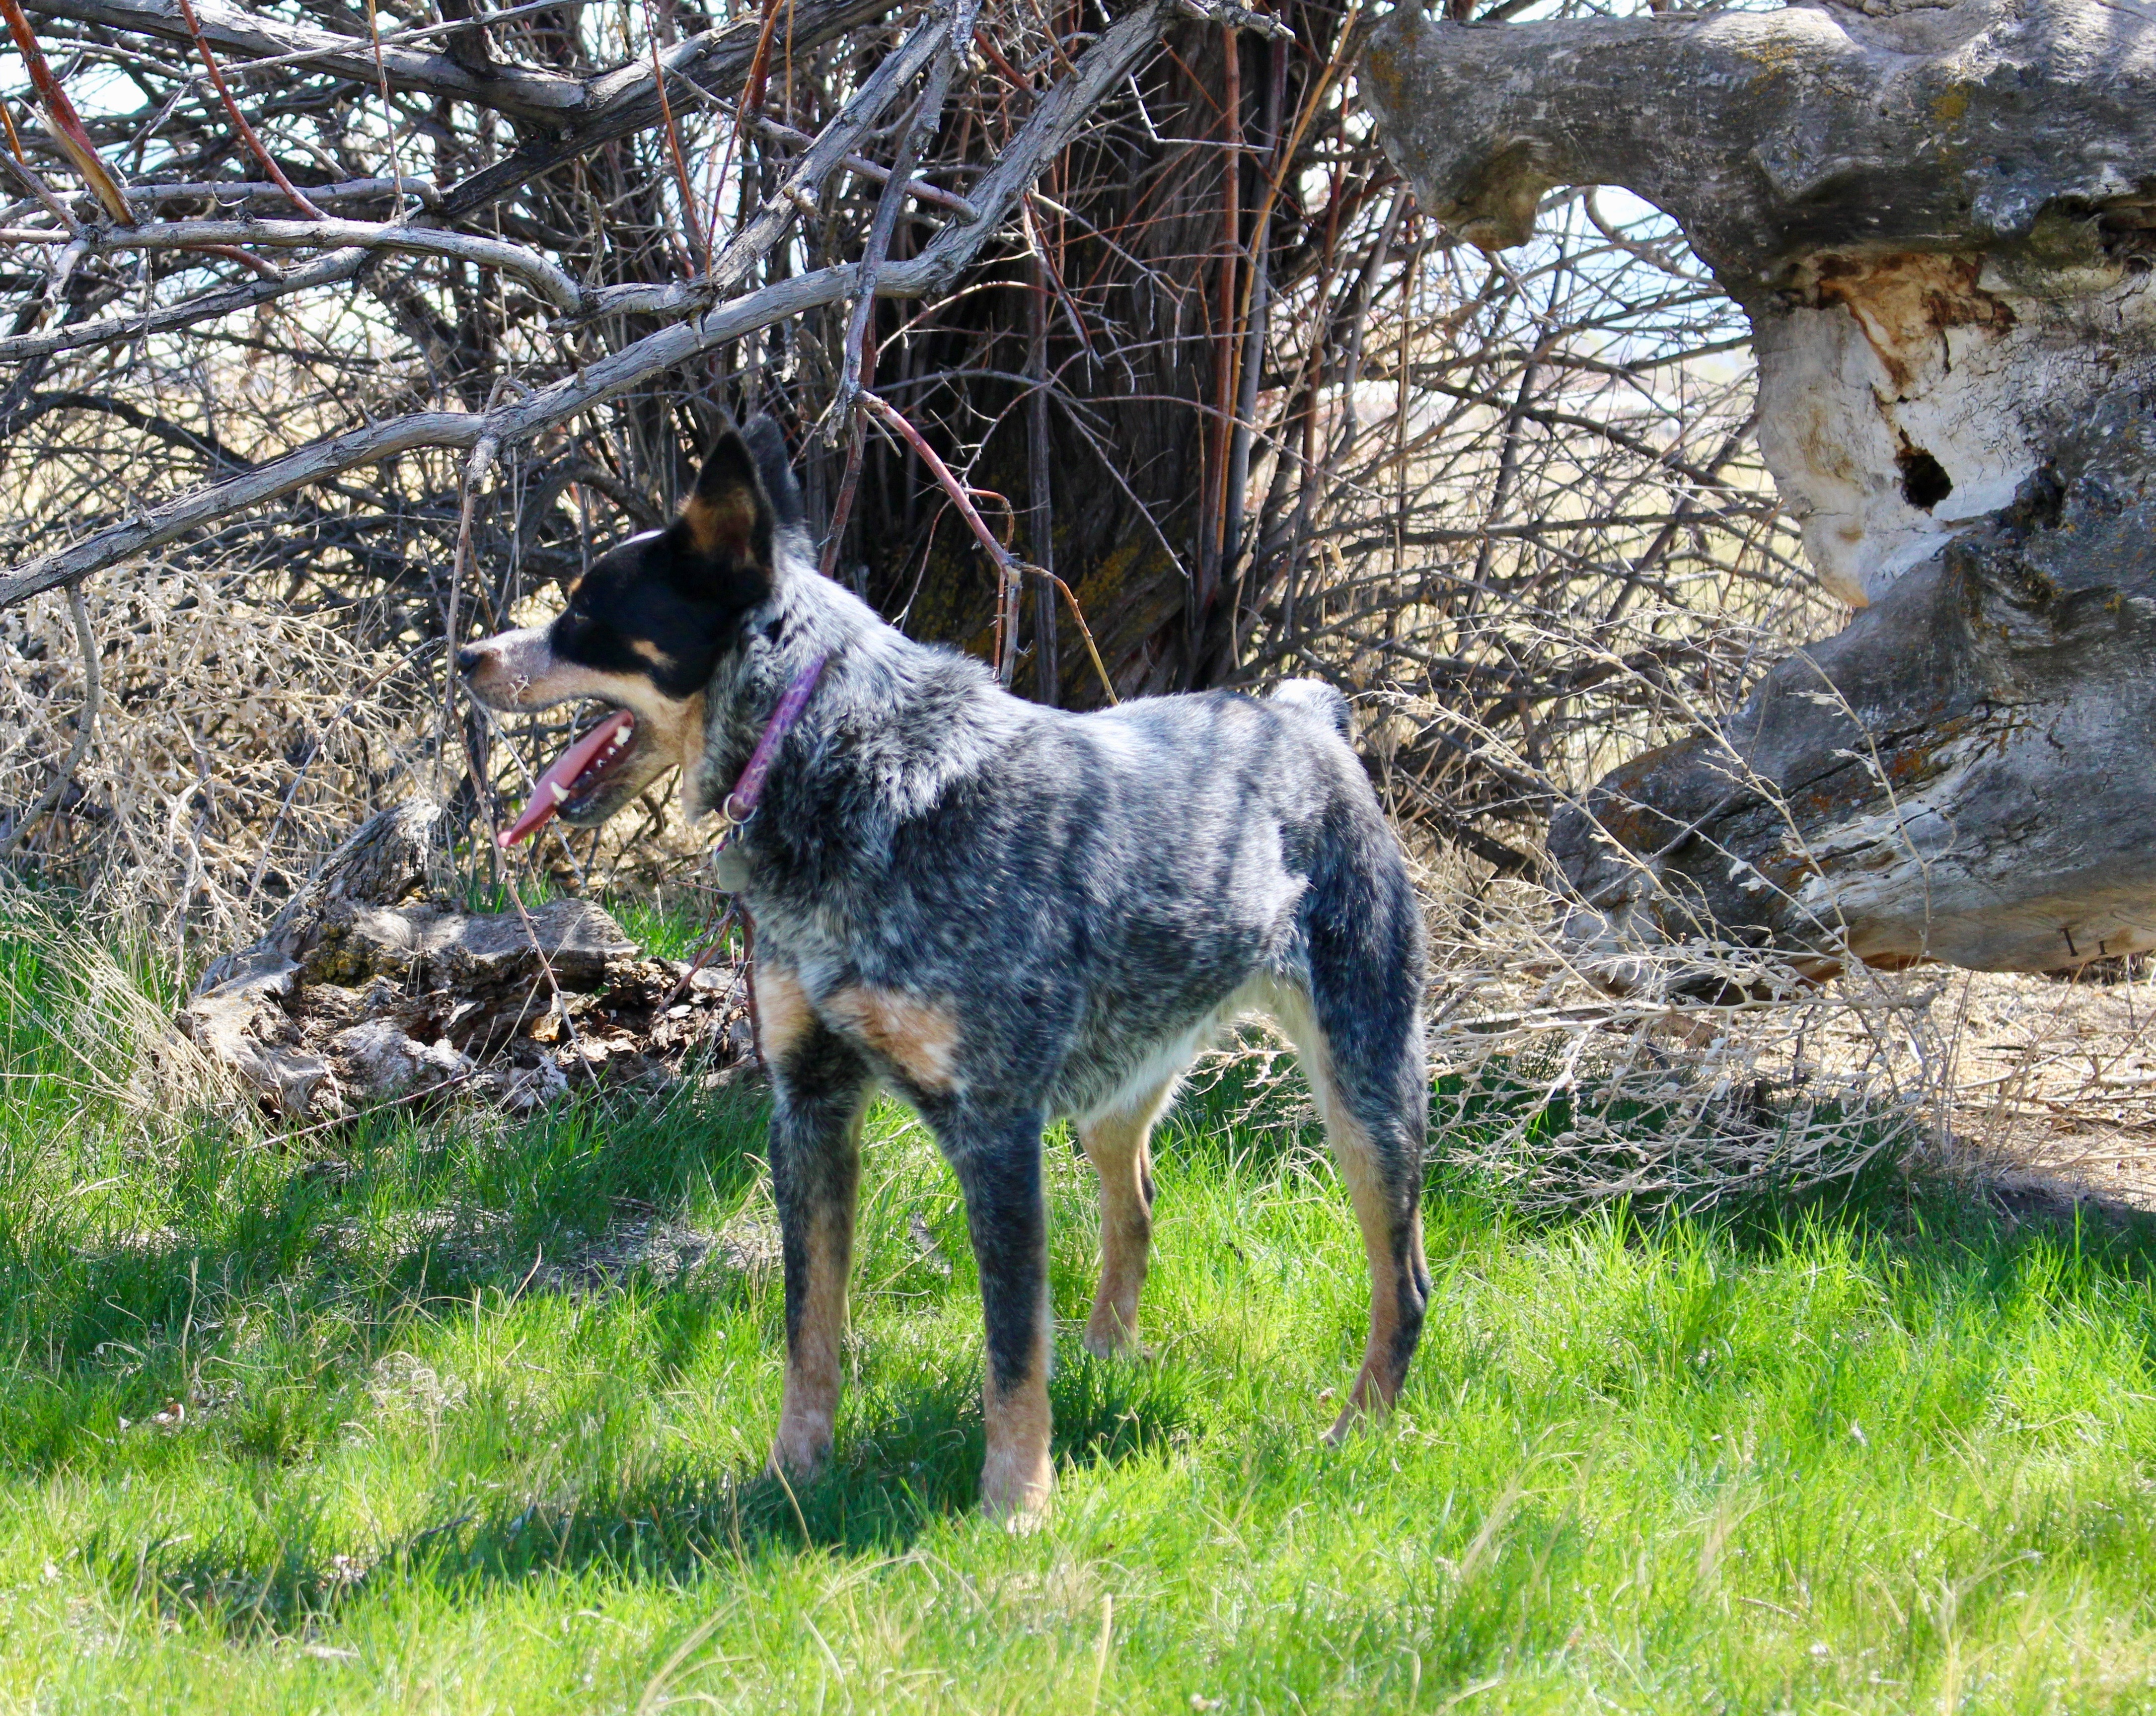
(561, 792)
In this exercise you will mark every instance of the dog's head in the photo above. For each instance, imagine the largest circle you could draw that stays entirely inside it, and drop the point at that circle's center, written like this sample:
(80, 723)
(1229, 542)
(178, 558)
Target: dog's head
(643, 631)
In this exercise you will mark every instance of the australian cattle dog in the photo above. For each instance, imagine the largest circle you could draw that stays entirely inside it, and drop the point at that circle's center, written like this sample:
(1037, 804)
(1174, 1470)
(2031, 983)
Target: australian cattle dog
(1002, 912)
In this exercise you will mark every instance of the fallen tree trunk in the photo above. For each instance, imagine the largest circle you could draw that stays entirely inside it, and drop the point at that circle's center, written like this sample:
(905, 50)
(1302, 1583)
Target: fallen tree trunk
(374, 987)
(1940, 221)
(1963, 775)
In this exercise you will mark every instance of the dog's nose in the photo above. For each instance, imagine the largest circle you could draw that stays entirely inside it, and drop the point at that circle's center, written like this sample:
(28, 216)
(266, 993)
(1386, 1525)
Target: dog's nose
(468, 659)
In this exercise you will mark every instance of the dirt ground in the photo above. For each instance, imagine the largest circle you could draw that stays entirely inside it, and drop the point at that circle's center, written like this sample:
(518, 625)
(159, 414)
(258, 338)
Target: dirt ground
(2055, 1082)
(2042, 1087)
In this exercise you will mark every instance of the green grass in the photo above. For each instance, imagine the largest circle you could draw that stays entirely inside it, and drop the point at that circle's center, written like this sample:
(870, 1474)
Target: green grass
(1888, 1455)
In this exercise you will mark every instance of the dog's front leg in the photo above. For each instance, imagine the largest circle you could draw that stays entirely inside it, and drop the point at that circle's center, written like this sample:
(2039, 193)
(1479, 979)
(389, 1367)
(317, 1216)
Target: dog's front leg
(821, 1089)
(998, 1168)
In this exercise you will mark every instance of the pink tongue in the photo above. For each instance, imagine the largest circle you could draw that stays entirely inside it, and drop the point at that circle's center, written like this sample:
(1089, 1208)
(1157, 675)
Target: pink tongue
(556, 783)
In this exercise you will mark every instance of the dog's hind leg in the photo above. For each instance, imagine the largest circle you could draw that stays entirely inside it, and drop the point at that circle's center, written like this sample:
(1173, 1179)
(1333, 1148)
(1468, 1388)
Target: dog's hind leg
(821, 1089)
(1118, 1143)
(1376, 1138)
(1358, 1030)
(999, 1168)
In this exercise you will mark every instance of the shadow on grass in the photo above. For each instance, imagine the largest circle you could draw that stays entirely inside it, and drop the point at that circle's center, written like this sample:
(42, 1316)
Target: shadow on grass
(395, 1212)
(915, 1458)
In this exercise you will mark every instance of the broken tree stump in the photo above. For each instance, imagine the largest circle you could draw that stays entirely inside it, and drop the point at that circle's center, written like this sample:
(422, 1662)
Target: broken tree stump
(1941, 221)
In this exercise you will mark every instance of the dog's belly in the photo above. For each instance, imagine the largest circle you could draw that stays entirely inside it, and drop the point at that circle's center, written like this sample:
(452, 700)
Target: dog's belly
(1123, 1058)
(1199, 932)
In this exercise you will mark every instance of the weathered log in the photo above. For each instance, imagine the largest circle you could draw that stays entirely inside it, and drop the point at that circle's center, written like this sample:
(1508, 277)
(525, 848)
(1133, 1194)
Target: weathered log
(1963, 775)
(490, 957)
(359, 994)
(240, 1013)
(1940, 221)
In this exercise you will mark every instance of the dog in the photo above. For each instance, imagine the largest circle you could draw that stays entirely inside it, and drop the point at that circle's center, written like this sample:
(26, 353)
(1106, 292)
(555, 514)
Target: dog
(1003, 913)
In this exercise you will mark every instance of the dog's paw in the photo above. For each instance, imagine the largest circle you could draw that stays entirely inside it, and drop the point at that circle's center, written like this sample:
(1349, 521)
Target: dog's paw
(1022, 1522)
(1025, 1514)
(801, 1449)
(1368, 1403)
(1114, 1345)
(1018, 1494)
(1111, 1332)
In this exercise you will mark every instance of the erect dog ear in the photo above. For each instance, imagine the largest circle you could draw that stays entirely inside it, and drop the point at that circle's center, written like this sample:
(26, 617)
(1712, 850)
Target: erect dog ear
(726, 523)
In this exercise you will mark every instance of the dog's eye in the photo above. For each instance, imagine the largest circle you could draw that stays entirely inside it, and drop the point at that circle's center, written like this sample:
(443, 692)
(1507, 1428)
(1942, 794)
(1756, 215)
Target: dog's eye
(578, 633)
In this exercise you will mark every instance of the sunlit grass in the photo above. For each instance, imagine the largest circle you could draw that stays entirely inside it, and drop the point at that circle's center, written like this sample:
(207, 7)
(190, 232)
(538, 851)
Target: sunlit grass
(397, 1419)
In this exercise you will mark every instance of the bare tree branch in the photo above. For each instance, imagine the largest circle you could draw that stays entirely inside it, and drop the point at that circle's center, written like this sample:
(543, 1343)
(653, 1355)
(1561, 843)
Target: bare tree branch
(625, 100)
(1048, 131)
(528, 94)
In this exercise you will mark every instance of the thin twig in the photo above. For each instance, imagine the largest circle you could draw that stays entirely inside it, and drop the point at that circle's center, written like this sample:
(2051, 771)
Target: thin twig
(240, 123)
(67, 127)
(1008, 563)
(93, 696)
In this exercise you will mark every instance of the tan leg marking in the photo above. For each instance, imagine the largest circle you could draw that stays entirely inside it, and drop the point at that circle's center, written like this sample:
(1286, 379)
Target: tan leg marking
(809, 1410)
(1378, 1380)
(783, 1012)
(1119, 1146)
(916, 1036)
(1017, 1479)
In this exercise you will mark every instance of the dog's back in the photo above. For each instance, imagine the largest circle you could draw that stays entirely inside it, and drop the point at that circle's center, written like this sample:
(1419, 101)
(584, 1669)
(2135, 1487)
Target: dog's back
(1316, 698)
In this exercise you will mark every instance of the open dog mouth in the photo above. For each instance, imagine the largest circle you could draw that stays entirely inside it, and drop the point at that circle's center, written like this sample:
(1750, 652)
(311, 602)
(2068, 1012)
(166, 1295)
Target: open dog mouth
(575, 777)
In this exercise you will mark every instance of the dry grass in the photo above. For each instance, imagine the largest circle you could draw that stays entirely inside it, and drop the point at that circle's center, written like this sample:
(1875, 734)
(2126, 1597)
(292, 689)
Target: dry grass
(234, 740)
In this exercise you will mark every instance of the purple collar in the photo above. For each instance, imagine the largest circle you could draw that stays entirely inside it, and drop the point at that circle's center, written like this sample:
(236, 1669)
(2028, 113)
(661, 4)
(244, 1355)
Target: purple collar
(739, 806)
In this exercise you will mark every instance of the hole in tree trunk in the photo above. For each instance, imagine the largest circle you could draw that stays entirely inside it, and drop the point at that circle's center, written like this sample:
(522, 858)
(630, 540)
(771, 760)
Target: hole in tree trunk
(1924, 480)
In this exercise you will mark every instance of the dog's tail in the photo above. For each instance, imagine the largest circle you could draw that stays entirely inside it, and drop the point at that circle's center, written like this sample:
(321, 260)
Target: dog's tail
(1316, 698)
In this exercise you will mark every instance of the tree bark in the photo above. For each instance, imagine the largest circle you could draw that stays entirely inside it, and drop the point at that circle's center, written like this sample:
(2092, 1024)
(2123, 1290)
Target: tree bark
(1940, 221)
(1134, 239)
